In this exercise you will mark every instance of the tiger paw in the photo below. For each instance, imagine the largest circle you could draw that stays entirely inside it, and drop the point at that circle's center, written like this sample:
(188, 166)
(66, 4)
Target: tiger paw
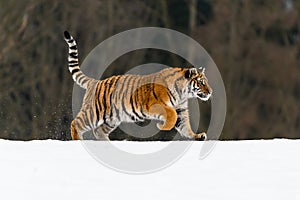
(163, 127)
(201, 136)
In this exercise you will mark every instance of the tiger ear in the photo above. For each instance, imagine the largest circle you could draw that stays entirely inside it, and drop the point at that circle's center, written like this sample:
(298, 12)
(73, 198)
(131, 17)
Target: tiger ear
(190, 73)
(202, 69)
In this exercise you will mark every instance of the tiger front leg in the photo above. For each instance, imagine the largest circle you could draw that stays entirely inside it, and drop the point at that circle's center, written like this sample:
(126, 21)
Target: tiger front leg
(184, 128)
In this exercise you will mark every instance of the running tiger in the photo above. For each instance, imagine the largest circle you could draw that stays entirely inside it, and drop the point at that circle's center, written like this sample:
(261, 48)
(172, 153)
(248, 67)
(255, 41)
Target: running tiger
(133, 98)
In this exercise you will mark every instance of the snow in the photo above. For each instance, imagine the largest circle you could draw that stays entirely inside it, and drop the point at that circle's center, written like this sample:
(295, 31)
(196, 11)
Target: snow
(256, 169)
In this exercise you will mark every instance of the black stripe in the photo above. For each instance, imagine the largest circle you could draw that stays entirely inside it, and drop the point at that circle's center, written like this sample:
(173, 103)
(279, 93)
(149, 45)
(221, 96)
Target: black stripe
(123, 85)
(130, 87)
(125, 111)
(97, 102)
(148, 88)
(132, 103)
(73, 47)
(116, 94)
(142, 87)
(133, 109)
(79, 123)
(145, 116)
(80, 77)
(73, 62)
(85, 119)
(82, 123)
(107, 89)
(74, 71)
(99, 93)
(129, 92)
(193, 85)
(179, 120)
(97, 110)
(113, 90)
(104, 100)
(172, 98)
(111, 127)
(90, 118)
(109, 92)
(180, 110)
(185, 101)
(73, 65)
(71, 41)
(153, 91)
(137, 103)
(67, 35)
(73, 55)
(123, 92)
(84, 81)
(115, 80)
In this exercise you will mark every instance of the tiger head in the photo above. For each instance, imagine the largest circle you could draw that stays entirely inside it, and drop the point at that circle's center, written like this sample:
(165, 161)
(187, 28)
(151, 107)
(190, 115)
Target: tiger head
(197, 85)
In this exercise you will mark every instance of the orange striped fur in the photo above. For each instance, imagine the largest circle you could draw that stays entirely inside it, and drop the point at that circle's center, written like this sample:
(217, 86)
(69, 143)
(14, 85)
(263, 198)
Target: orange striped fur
(132, 98)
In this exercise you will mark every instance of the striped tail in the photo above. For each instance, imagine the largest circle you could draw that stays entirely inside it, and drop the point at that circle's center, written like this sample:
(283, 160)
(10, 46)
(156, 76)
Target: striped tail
(78, 76)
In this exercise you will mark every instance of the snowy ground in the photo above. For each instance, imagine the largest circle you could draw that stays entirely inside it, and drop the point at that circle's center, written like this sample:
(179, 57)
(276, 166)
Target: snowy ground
(234, 170)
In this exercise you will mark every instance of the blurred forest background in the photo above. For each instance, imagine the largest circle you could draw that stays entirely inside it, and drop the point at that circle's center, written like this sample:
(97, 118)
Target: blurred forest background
(255, 44)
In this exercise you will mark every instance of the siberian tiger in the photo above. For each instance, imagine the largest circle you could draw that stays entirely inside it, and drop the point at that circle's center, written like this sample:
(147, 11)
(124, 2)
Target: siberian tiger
(133, 98)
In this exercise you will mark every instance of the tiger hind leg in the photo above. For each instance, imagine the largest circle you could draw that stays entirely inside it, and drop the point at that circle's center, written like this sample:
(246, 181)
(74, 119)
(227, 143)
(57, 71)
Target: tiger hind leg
(78, 127)
(102, 132)
(74, 133)
(165, 113)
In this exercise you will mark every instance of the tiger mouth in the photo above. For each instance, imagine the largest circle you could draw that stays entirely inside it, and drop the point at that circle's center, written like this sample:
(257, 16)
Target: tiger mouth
(204, 97)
